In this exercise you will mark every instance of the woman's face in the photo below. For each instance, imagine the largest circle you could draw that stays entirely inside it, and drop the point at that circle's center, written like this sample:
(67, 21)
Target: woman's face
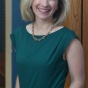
(44, 9)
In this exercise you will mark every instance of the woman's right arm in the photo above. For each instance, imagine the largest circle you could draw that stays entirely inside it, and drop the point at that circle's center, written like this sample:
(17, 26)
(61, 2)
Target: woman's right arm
(17, 83)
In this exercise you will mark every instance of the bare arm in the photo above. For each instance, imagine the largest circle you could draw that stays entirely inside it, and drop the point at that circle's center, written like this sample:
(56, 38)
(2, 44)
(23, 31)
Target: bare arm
(17, 83)
(75, 59)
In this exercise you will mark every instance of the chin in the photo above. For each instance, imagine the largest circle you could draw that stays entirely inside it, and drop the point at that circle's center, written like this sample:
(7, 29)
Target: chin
(44, 17)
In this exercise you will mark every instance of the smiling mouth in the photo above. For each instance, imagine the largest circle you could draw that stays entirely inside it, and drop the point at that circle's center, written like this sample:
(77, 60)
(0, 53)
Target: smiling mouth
(43, 10)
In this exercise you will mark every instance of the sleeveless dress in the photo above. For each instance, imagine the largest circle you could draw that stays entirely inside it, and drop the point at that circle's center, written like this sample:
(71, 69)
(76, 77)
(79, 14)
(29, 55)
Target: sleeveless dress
(41, 64)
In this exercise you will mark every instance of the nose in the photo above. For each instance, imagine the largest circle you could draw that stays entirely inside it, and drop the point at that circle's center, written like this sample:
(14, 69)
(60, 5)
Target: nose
(44, 3)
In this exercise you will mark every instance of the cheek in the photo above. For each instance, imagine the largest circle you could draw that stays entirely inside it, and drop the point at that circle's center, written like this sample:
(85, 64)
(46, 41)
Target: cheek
(35, 2)
(34, 5)
(54, 6)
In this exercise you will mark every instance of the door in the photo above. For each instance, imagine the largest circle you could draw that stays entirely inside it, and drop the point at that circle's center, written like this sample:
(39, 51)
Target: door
(78, 22)
(85, 38)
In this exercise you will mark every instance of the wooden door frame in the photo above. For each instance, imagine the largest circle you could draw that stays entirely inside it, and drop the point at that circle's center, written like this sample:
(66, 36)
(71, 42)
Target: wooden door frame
(8, 20)
(85, 39)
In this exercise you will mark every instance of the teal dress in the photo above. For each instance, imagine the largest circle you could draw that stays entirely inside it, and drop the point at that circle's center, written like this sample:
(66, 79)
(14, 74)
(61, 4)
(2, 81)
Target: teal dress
(41, 64)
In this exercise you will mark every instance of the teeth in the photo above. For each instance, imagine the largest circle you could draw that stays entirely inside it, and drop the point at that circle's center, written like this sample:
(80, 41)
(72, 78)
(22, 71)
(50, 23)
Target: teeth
(43, 10)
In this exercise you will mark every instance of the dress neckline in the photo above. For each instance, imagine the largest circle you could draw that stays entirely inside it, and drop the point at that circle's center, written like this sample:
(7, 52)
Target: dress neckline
(48, 34)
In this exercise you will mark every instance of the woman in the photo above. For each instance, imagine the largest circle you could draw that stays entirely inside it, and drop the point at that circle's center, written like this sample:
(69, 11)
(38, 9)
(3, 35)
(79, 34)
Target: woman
(46, 50)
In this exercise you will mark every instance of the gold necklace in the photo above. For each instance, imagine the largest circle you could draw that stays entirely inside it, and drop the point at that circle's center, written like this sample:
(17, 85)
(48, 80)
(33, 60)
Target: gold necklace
(43, 37)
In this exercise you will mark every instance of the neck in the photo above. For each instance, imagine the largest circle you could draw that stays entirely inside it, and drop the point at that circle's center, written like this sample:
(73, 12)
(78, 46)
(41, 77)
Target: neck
(43, 25)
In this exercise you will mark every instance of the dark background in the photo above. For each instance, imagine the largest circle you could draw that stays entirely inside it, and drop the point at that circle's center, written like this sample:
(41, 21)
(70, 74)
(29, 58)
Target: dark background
(2, 44)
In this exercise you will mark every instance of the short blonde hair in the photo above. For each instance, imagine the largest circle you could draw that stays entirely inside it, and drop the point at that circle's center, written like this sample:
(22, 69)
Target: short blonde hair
(58, 17)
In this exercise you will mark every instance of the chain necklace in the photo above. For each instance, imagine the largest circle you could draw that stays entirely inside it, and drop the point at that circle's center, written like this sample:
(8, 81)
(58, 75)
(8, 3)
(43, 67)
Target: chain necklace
(43, 37)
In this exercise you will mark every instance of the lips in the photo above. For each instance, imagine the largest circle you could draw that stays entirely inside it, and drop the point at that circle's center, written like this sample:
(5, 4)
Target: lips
(43, 10)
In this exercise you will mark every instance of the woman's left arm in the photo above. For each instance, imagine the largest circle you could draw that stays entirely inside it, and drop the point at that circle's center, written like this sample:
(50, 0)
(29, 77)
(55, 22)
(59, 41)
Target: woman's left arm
(75, 59)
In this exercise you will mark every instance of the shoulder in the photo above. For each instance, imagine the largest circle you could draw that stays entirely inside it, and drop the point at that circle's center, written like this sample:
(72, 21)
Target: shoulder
(69, 31)
(70, 39)
(74, 49)
(74, 45)
(69, 36)
(16, 33)
(19, 29)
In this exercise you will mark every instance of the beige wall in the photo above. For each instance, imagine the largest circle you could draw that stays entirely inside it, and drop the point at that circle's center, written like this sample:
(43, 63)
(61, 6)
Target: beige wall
(8, 44)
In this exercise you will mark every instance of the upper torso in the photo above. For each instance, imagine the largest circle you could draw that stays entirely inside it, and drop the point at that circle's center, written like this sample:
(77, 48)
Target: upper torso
(41, 64)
